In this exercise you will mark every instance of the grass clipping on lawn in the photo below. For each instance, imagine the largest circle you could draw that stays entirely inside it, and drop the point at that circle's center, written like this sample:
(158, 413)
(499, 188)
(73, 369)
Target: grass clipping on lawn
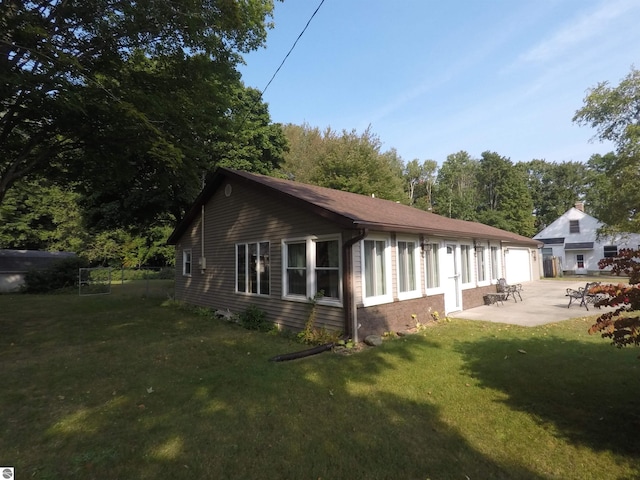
(128, 387)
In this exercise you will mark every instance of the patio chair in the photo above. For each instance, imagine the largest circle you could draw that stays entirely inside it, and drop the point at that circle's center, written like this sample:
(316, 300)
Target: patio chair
(583, 295)
(509, 290)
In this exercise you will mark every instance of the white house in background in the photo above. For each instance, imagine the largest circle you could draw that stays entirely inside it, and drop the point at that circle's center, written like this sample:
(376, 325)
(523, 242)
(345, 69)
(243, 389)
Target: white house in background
(573, 240)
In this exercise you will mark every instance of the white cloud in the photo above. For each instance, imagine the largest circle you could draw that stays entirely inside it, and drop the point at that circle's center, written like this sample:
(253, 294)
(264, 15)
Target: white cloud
(579, 31)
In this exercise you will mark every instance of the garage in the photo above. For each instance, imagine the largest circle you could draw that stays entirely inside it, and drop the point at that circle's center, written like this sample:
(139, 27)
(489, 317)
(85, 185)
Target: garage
(517, 265)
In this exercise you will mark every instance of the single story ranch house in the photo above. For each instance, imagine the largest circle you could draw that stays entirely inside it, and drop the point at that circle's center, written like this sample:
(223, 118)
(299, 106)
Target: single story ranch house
(381, 266)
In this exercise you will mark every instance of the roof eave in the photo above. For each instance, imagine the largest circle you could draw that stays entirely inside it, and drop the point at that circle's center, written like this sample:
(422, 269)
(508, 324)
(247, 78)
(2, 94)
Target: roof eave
(385, 227)
(223, 173)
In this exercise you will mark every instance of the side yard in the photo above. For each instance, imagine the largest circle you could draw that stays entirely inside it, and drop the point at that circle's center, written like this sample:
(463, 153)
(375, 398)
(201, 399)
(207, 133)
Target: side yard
(130, 386)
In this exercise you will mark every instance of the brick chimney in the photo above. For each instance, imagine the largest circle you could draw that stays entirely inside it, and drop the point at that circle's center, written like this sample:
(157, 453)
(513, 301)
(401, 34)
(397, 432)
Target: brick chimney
(580, 206)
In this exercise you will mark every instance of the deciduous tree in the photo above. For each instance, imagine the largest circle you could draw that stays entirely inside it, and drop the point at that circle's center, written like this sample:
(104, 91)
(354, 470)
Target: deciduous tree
(554, 188)
(38, 214)
(504, 200)
(138, 89)
(456, 194)
(348, 161)
(419, 181)
(615, 114)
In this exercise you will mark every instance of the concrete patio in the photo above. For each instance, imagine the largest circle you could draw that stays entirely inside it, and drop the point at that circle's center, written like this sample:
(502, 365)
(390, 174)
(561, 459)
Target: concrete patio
(543, 301)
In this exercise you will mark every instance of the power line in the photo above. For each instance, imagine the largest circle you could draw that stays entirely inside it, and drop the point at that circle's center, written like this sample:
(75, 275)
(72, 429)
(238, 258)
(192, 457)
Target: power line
(292, 47)
(250, 109)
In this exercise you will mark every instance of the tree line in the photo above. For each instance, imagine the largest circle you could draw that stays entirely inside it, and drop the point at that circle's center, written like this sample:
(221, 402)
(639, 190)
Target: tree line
(113, 113)
(522, 197)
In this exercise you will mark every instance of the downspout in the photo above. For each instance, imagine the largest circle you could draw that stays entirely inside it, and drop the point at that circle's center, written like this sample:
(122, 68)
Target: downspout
(202, 238)
(202, 260)
(350, 310)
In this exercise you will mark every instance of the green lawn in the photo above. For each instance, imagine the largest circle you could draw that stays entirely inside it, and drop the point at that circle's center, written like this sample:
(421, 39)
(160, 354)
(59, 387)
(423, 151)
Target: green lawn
(131, 387)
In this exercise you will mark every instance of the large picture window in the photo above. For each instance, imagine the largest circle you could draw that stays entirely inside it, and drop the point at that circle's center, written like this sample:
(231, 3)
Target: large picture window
(253, 272)
(407, 268)
(311, 266)
(432, 265)
(377, 283)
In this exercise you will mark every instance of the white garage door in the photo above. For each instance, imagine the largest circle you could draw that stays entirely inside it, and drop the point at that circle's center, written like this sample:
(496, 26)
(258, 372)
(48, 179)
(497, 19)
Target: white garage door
(517, 265)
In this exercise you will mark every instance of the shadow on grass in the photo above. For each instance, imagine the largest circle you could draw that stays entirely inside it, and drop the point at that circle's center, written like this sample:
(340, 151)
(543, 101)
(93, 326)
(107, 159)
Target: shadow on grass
(570, 386)
(155, 394)
(304, 423)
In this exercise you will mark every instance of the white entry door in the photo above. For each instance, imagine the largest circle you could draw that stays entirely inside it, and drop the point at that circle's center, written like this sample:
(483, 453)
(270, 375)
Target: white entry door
(452, 292)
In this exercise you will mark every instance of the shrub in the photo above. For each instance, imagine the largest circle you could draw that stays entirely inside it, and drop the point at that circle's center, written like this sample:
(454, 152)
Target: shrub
(60, 274)
(128, 274)
(311, 335)
(255, 319)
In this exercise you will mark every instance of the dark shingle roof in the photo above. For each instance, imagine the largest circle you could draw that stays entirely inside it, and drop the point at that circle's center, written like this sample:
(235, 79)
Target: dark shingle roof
(352, 210)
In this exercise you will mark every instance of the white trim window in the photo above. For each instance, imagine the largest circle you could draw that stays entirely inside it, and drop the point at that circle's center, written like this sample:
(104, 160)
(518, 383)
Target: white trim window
(574, 226)
(295, 278)
(465, 262)
(186, 262)
(376, 274)
(495, 263)
(432, 265)
(312, 266)
(408, 268)
(481, 261)
(253, 271)
(327, 268)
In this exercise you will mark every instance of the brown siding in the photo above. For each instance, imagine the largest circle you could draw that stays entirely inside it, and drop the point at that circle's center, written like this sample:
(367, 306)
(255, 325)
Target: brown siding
(247, 217)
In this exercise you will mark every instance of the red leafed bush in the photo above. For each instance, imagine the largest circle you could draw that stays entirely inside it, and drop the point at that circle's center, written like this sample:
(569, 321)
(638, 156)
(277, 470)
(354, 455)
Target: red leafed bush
(620, 325)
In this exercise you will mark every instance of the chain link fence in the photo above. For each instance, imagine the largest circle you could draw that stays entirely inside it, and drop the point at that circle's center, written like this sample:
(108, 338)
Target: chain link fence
(145, 281)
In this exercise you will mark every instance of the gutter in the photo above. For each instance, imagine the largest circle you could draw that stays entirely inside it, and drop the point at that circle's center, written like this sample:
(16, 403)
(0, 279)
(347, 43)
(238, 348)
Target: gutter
(350, 310)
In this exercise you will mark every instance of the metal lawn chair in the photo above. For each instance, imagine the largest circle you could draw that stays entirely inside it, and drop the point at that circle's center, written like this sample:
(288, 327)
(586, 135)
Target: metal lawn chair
(509, 290)
(582, 294)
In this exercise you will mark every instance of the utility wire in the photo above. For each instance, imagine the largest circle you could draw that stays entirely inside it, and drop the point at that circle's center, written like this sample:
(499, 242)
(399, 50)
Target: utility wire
(292, 47)
(251, 108)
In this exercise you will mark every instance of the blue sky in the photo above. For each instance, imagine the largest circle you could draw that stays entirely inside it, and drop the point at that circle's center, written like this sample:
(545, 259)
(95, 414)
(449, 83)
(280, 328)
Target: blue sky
(433, 77)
